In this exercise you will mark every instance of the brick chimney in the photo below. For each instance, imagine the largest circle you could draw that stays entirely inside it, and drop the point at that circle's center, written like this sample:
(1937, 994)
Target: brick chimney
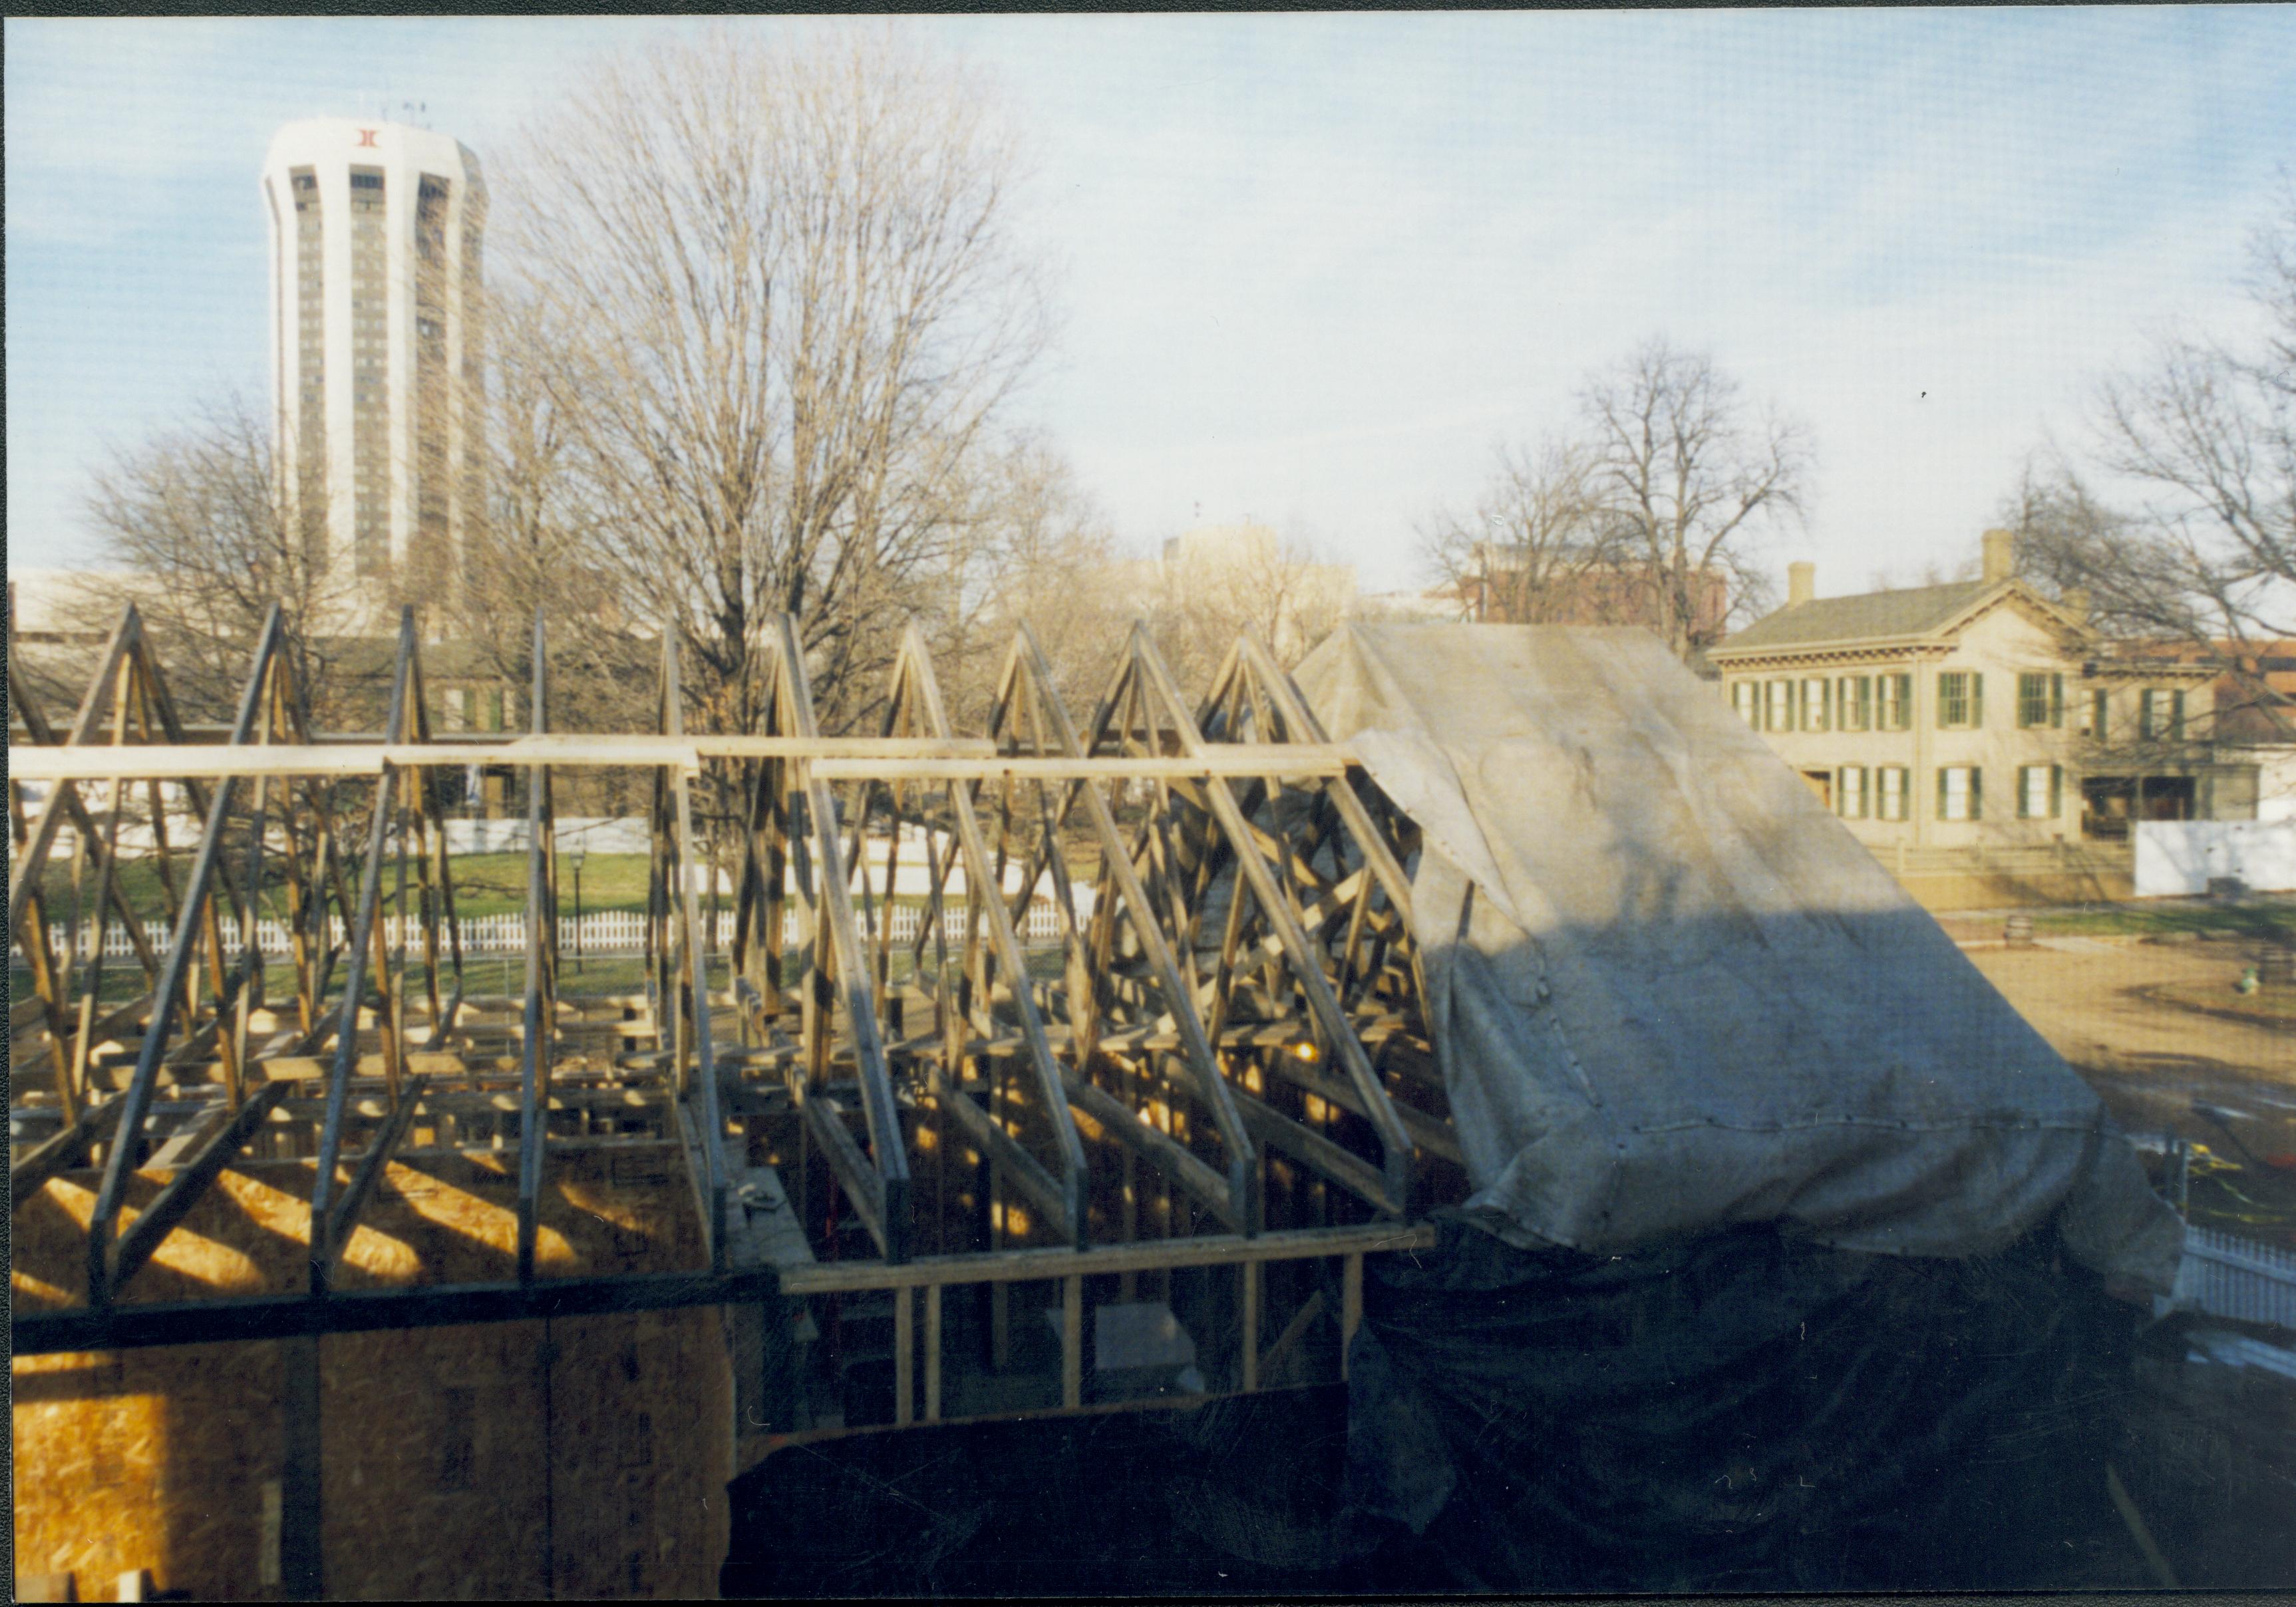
(1801, 583)
(2000, 555)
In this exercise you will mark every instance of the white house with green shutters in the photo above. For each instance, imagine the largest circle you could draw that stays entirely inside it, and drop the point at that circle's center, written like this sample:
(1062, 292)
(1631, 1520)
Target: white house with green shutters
(1965, 715)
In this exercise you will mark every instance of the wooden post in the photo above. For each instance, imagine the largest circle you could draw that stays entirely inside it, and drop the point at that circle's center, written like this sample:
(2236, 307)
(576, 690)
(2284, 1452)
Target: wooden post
(932, 1353)
(1350, 1305)
(777, 1384)
(904, 1356)
(1249, 1325)
(1000, 1295)
(302, 1577)
(1130, 1228)
(1072, 1341)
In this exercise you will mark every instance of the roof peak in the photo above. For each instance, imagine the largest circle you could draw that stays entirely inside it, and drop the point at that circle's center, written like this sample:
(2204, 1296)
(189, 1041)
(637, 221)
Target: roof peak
(1869, 616)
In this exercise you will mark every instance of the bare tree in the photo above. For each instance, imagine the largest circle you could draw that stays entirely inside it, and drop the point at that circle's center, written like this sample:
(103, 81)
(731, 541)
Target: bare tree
(1213, 586)
(777, 310)
(2181, 526)
(1686, 475)
(195, 520)
(1532, 549)
(1046, 557)
(538, 550)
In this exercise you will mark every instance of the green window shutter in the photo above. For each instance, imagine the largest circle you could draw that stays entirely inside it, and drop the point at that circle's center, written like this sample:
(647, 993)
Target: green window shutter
(1976, 699)
(1976, 793)
(2177, 715)
(1905, 705)
(2056, 702)
(1940, 803)
(2056, 791)
(1944, 698)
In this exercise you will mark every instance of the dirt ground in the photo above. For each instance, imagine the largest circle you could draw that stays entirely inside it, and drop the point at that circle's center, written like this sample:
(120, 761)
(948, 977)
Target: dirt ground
(2140, 1022)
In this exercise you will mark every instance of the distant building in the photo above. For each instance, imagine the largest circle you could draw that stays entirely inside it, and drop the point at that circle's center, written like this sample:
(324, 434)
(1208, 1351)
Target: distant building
(53, 607)
(378, 345)
(1978, 712)
(1627, 593)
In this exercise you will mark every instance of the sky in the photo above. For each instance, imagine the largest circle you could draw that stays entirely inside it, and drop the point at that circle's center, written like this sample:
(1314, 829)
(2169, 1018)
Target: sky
(1313, 269)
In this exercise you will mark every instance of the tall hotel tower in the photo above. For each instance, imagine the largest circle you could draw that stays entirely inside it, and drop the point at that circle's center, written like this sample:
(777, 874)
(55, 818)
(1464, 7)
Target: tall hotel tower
(377, 348)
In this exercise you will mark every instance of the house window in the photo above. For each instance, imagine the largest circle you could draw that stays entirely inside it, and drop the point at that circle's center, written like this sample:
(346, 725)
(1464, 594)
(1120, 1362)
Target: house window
(1746, 698)
(1779, 714)
(1961, 793)
(1894, 710)
(2040, 700)
(1850, 799)
(1853, 702)
(2160, 715)
(2099, 723)
(458, 708)
(1892, 789)
(1961, 700)
(1815, 703)
(2040, 789)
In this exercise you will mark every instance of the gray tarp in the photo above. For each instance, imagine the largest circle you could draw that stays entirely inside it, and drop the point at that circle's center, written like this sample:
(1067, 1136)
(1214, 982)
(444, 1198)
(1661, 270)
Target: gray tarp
(1669, 991)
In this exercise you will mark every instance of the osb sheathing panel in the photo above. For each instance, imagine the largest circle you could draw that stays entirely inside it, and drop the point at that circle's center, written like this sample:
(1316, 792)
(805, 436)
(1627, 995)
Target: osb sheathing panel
(158, 1458)
(147, 1459)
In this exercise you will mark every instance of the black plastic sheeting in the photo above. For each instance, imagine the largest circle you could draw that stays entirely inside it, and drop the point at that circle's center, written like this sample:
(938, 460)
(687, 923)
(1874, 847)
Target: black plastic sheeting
(1743, 1412)
(1237, 1496)
(1737, 1412)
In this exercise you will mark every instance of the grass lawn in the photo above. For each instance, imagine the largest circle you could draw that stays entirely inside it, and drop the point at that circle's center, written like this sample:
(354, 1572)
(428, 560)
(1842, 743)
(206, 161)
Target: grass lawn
(485, 884)
(495, 884)
(2268, 919)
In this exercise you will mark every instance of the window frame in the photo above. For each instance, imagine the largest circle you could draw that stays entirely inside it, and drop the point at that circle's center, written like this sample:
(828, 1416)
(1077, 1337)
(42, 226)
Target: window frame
(1779, 703)
(2040, 699)
(1844, 787)
(1820, 718)
(1972, 793)
(1904, 793)
(1853, 693)
(1746, 701)
(2055, 788)
(2148, 727)
(1961, 691)
(1894, 712)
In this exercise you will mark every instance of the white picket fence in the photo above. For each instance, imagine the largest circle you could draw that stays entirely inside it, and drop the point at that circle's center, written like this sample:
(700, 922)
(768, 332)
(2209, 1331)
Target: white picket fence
(605, 932)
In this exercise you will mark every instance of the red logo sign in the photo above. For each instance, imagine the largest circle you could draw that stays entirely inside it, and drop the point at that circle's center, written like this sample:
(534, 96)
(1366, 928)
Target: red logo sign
(366, 136)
